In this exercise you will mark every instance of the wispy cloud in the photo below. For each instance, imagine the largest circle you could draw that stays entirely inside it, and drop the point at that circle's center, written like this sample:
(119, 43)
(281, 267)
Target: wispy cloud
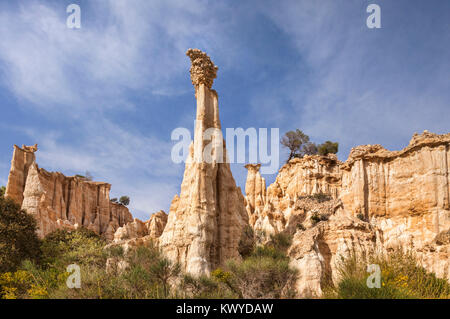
(75, 76)
(364, 86)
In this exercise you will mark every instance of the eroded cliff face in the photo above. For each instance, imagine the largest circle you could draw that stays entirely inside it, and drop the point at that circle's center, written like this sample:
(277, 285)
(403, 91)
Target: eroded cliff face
(20, 164)
(402, 196)
(316, 251)
(405, 194)
(272, 210)
(206, 221)
(153, 228)
(57, 201)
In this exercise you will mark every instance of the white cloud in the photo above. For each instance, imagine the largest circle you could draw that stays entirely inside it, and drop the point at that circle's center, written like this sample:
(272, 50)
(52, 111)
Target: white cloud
(362, 87)
(122, 47)
(136, 165)
(69, 75)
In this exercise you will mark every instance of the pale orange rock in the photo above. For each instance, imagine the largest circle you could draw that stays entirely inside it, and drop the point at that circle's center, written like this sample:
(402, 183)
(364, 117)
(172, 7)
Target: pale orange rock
(60, 202)
(316, 252)
(404, 195)
(272, 210)
(137, 228)
(206, 221)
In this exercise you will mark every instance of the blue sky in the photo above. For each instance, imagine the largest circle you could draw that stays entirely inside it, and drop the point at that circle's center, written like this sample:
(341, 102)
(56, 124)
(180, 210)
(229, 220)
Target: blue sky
(105, 98)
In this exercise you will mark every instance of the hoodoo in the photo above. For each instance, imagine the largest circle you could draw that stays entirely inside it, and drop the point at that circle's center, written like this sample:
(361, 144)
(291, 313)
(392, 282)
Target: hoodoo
(62, 202)
(206, 221)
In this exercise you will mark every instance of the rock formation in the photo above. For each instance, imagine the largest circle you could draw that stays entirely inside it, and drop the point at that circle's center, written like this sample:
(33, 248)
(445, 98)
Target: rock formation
(403, 196)
(153, 228)
(271, 211)
(57, 201)
(206, 221)
(20, 164)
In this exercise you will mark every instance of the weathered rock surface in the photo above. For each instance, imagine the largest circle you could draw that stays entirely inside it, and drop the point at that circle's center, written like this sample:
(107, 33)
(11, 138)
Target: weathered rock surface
(404, 195)
(206, 221)
(316, 252)
(271, 211)
(137, 228)
(57, 201)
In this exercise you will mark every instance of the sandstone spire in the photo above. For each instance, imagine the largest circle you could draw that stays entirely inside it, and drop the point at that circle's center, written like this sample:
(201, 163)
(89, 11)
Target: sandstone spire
(22, 159)
(57, 201)
(205, 222)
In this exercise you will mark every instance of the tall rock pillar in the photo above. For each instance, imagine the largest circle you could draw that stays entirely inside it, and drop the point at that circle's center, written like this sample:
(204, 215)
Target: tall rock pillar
(21, 161)
(206, 221)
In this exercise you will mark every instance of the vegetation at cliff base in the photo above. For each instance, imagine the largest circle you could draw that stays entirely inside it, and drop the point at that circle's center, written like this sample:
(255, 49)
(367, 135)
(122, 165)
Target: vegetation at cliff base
(401, 278)
(18, 239)
(123, 200)
(107, 271)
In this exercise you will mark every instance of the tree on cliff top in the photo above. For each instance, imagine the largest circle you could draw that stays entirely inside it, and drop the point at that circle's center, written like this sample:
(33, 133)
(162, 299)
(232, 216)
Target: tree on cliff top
(298, 144)
(18, 239)
(328, 148)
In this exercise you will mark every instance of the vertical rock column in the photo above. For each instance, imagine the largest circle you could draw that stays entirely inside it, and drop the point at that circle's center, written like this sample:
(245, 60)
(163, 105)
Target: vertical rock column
(205, 222)
(20, 164)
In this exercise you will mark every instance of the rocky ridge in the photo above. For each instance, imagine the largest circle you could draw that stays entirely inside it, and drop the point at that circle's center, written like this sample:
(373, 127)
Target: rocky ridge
(61, 202)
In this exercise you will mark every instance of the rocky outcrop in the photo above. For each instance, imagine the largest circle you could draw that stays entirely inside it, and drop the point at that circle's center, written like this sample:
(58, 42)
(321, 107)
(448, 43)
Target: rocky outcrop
(403, 195)
(57, 201)
(206, 221)
(20, 164)
(137, 228)
(273, 210)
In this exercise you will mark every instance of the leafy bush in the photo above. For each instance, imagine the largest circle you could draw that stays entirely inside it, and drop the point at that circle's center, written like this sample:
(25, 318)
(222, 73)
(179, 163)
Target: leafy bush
(2, 191)
(124, 200)
(82, 247)
(18, 239)
(401, 278)
(247, 242)
(318, 197)
(315, 218)
(280, 242)
(18, 285)
(264, 274)
(298, 144)
(361, 217)
(205, 287)
(328, 148)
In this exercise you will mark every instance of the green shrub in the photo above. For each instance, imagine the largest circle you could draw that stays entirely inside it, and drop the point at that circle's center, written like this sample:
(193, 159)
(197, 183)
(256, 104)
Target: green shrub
(401, 278)
(246, 242)
(205, 287)
(18, 239)
(2, 191)
(280, 241)
(361, 217)
(262, 277)
(82, 247)
(315, 218)
(124, 200)
(328, 148)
